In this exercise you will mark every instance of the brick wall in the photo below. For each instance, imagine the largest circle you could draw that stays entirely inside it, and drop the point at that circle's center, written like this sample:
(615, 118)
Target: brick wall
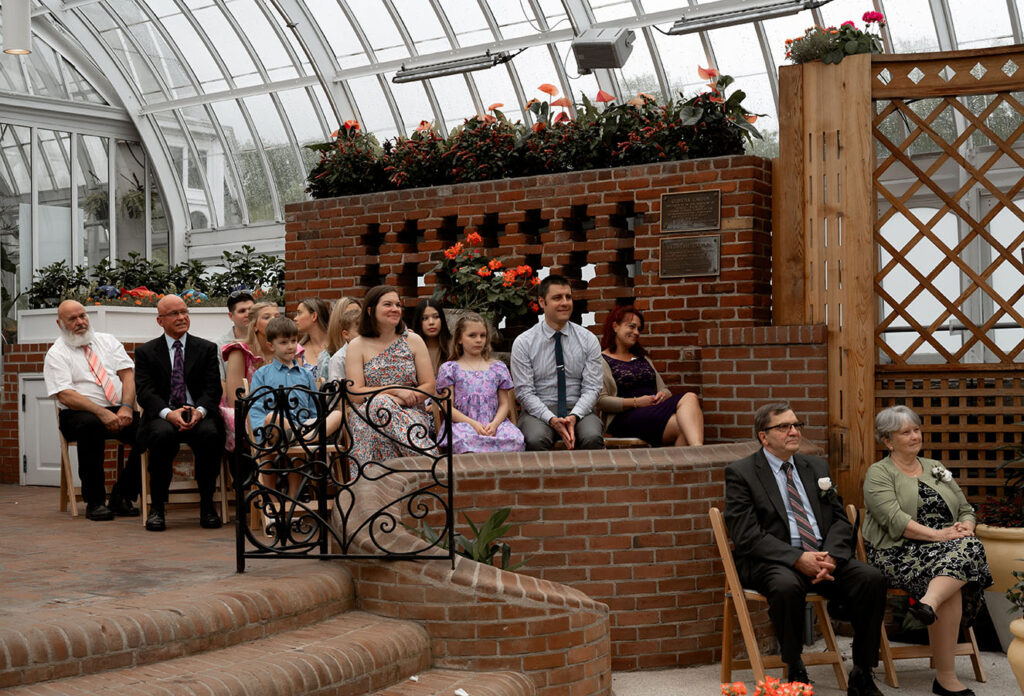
(627, 528)
(600, 221)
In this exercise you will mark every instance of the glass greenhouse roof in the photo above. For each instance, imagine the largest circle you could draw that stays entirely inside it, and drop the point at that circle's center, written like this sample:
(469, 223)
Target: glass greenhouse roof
(225, 94)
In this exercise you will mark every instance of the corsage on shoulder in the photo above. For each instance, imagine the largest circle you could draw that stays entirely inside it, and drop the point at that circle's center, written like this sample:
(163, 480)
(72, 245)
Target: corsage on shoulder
(942, 473)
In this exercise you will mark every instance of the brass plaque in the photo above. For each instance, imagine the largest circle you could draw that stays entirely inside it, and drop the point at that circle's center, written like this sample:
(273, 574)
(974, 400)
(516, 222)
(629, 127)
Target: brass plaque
(693, 211)
(691, 256)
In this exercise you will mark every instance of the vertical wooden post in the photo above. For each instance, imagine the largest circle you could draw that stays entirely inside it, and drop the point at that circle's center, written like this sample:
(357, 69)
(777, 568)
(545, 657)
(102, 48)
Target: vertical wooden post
(826, 211)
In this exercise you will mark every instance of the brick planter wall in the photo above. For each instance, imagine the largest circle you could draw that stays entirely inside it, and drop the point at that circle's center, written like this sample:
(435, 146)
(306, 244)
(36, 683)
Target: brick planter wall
(604, 219)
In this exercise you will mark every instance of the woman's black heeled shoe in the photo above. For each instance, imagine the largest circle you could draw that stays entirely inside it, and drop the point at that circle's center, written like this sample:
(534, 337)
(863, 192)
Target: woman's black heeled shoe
(922, 612)
(939, 689)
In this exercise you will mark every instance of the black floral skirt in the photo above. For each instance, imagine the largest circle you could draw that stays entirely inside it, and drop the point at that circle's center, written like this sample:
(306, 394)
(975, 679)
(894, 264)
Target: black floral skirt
(912, 565)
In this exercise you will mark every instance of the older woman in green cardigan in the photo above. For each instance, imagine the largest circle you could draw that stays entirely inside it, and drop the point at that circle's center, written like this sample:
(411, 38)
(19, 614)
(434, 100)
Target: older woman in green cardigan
(919, 531)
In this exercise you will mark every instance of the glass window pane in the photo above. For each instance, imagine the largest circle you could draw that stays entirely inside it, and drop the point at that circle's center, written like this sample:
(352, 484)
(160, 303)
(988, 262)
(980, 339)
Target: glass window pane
(373, 107)
(11, 77)
(188, 42)
(380, 29)
(262, 36)
(44, 73)
(792, 27)
(243, 149)
(93, 185)
(413, 104)
(228, 46)
(130, 194)
(911, 25)
(495, 86)
(456, 102)
(15, 220)
(422, 24)
(512, 18)
(340, 36)
(304, 123)
(981, 23)
(638, 74)
(213, 167)
(289, 178)
(53, 179)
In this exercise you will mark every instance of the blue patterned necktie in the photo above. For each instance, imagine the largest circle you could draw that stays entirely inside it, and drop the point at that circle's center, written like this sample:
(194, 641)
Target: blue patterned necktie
(560, 373)
(178, 397)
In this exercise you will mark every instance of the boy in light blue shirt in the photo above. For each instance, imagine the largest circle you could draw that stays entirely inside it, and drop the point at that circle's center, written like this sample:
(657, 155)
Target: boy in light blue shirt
(285, 371)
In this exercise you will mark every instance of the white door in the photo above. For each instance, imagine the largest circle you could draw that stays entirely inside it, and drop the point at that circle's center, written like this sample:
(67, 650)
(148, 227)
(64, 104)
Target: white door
(38, 440)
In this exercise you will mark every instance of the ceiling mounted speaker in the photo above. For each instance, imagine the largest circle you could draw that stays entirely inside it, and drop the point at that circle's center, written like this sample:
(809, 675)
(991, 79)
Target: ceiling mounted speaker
(602, 48)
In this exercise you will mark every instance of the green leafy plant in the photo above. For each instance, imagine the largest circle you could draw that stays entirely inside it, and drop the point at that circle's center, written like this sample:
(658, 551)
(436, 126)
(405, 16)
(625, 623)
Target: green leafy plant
(422, 159)
(484, 545)
(55, 282)
(831, 44)
(1016, 592)
(250, 270)
(349, 165)
(468, 279)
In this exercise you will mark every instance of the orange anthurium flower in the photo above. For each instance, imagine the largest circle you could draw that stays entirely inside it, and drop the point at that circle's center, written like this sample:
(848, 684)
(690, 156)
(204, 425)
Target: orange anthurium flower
(707, 73)
(715, 99)
(603, 96)
(350, 124)
(335, 133)
(751, 118)
(563, 102)
(548, 89)
(424, 126)
(562, 116)
(538, 126)
(636, 101)
(495, 105)
(489, 119)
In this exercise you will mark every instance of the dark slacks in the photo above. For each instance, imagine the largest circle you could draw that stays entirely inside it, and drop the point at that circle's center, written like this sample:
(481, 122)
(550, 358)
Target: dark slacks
(163, 441)
(858, 585)
(87, 431)
(540, 436)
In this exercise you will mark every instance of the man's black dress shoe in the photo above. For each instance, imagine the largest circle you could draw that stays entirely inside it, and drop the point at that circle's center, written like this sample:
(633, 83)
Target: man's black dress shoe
(862, 683)
(922, 612)
(939, 689)
(798, 673)
(208, 517)
(155, 521)
(97, 512)
(121, 506)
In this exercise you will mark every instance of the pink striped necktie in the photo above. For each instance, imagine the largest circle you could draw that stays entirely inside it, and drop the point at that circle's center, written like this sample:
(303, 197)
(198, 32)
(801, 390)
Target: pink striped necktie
(102, 378)
(803, 522)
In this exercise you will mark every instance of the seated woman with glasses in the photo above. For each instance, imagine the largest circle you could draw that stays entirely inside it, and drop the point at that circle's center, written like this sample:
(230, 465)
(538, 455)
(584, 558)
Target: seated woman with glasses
(634, 400)
(919, 531)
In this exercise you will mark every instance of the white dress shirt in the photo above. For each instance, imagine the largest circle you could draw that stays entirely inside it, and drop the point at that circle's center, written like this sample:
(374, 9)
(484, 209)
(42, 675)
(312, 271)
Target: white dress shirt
(66, 367)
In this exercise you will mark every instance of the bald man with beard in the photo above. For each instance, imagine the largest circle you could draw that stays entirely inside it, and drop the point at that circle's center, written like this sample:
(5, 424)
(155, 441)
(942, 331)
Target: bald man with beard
(93, 379)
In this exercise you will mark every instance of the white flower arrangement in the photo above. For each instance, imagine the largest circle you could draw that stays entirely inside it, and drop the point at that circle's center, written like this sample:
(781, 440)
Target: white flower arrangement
(941, 473)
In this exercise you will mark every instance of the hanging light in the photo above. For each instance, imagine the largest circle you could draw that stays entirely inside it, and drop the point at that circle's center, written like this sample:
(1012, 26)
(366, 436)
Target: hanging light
(17, 29)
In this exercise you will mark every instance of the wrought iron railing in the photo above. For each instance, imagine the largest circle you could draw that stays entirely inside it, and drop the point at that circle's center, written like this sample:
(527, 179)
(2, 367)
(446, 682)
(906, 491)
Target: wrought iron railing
(309, 485)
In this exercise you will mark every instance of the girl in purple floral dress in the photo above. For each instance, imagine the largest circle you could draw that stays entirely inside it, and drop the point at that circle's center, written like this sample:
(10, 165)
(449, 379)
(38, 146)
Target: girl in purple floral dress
(482, 391)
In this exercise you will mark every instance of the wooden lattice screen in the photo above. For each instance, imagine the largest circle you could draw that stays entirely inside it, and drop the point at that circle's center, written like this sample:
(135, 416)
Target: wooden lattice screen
(898, 222)
(949, 231)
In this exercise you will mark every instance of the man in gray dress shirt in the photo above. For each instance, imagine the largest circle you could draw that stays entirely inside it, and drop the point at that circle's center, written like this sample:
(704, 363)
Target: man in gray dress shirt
(556, 368)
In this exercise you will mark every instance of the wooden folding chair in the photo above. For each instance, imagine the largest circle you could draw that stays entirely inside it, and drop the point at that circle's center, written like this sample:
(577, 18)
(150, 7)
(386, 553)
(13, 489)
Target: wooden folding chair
(184, 488)
(736, 598)
(69, 492)
(890, 653)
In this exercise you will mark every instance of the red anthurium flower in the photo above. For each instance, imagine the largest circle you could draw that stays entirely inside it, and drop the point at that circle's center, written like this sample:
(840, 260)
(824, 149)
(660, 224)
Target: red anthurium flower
(707, 73)
(715, 99)
(561, 116)
(563, 102)
(495, 105)
(489, 119)
(424, 126)
(335, 133)
(473, 239)
(603, 96)
(350, 124)
(751, 118)
(548, 89)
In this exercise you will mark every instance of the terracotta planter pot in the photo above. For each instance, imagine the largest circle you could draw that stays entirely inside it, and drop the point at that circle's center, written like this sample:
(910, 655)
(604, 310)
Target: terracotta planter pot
(1004, 549)
(1015, 654)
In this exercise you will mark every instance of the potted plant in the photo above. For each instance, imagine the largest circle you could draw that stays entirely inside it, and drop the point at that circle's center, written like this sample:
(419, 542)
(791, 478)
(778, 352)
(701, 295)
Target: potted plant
(1002, 533)
(469, 280)
(832, 44)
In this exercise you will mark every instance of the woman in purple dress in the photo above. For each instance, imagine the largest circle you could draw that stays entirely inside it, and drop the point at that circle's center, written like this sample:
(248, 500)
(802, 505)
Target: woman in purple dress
(482, 393)
(635, 400)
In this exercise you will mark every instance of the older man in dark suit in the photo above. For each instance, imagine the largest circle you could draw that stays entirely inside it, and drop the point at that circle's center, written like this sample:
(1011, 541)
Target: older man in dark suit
(179, 389)
(791, 537)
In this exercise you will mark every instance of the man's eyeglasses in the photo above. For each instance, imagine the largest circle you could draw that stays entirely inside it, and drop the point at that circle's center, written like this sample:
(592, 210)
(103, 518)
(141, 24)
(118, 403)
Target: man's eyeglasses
(176, 313)
(785, 427)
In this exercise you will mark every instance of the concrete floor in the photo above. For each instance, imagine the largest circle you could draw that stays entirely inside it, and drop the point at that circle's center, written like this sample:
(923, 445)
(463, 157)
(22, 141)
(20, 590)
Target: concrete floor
(49, 559)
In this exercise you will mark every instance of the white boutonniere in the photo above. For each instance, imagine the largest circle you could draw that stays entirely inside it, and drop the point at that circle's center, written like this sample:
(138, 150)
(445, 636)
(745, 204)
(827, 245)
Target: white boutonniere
(942, 473)
(825, 486)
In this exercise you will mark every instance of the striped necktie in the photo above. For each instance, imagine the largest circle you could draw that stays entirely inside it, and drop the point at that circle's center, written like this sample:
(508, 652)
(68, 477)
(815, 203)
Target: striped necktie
(101, 376)
(803, 523)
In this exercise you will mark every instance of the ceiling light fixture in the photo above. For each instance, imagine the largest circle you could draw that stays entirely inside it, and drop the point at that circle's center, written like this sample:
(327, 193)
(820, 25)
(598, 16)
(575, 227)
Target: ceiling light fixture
(17, 30)
(451, 67)
(727, 14)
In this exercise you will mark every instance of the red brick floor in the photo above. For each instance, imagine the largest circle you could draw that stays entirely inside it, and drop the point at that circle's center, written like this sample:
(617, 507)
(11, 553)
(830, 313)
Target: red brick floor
(49, 559)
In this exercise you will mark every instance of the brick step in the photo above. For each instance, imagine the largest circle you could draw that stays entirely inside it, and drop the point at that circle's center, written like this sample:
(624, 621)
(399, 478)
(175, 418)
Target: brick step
(444, 682)
(83, 640)
(349, 655)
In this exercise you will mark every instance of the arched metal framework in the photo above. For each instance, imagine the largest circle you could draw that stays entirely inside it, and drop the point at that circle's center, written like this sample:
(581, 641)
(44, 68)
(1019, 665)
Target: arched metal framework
(225, 94)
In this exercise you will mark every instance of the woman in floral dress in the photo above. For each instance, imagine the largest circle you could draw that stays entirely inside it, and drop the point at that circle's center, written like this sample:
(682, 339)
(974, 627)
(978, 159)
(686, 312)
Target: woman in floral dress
(392, 423)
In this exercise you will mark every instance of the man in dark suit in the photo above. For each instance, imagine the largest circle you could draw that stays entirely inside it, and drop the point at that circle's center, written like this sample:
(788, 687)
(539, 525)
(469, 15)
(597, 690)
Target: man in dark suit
(178, 384)
(791, 536)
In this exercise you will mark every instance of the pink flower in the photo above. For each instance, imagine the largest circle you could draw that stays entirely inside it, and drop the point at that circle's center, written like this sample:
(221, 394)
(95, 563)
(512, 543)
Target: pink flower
(561, 116)
(424, 126)
(562, 102)
(872, 17)
(848, 23)
(707, 73)
(548, 88)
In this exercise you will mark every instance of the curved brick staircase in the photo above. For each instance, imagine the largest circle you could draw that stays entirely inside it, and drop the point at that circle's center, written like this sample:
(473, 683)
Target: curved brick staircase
(254, 635)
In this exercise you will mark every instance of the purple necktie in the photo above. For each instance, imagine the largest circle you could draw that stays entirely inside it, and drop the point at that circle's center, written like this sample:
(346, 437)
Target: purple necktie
(178, 397)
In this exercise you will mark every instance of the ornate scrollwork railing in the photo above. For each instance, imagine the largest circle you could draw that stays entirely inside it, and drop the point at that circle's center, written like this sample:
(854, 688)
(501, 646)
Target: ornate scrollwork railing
(332, 473)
